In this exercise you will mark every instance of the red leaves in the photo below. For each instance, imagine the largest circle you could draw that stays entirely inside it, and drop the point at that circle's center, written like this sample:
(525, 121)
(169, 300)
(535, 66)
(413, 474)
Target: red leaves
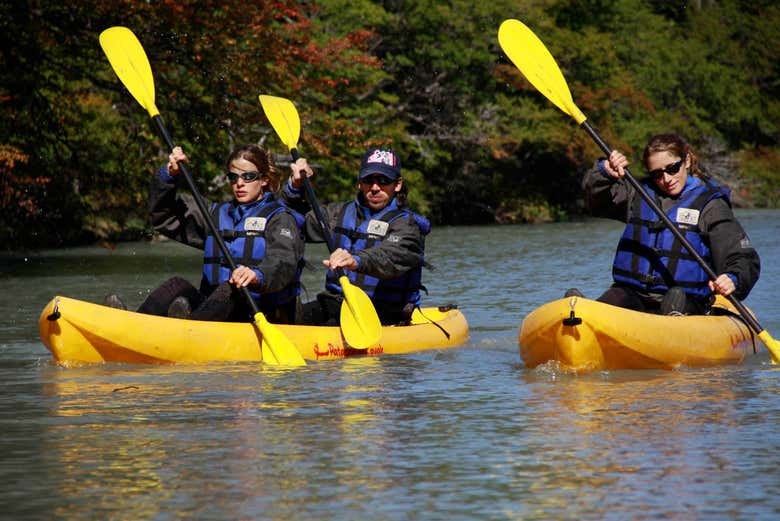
(14, 184)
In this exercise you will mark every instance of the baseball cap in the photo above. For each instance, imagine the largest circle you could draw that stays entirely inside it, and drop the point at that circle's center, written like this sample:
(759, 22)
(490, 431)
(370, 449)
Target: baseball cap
(380, 161)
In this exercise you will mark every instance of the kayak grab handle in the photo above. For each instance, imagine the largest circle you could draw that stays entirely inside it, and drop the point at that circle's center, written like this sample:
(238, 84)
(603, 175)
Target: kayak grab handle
(572, 320)
(54, 315)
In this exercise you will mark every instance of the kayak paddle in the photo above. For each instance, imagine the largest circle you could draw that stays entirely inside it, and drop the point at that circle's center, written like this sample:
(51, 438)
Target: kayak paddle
(532, 58)
(359, 320)
(128, 59)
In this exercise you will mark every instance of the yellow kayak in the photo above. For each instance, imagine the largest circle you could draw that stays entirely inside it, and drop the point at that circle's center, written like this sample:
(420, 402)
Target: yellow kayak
(78, 332)
(585, 335)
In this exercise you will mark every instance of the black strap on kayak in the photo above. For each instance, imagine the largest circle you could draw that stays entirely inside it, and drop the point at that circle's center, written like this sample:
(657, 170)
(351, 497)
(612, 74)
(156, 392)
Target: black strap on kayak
(443, 309)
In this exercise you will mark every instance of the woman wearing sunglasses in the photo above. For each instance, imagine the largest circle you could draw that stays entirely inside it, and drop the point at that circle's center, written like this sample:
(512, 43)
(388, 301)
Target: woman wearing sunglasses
(263, 236)
(380, 241)
(651, 270)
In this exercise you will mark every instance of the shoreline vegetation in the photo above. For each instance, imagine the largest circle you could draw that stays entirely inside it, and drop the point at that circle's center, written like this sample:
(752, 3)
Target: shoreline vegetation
(478, 143)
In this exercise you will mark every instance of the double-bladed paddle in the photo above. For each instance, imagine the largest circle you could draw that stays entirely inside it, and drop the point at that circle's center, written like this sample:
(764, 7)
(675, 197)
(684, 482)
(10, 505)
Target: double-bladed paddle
(359, 321)
(532, 58)
(129, 61)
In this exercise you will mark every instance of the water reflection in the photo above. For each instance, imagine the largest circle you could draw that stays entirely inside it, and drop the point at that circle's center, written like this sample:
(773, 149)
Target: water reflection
(624, 432)
(126, 439)
(459, 435)
(133, 438)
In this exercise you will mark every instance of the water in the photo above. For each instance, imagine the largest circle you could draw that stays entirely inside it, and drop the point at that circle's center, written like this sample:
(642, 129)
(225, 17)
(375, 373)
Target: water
(441, 435)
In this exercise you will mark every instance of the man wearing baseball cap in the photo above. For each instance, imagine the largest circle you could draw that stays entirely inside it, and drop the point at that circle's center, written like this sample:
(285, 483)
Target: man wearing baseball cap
(379, 241)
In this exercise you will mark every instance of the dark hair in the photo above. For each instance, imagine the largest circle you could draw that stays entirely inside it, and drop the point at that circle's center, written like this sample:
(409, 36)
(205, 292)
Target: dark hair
(675, 144)
(261, 159)
(402, 195)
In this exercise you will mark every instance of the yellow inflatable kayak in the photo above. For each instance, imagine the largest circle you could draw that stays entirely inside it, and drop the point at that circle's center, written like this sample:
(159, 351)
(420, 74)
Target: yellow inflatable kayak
(585, 335)
(78, 332)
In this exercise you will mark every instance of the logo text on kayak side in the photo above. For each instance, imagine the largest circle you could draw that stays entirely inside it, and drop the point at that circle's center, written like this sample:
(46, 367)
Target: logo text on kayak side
(340, 351)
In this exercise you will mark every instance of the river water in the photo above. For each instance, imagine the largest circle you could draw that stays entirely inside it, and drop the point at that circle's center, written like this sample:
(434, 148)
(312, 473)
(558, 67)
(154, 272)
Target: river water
(461, 434)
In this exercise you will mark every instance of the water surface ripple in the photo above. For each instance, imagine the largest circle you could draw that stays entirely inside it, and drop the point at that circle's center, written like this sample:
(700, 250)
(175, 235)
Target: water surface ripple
(462, 434)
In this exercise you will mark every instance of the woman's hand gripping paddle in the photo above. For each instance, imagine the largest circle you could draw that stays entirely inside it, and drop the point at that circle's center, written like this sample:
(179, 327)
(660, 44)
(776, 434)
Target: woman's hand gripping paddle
(359, 321)
(129, 61)
(532, 58)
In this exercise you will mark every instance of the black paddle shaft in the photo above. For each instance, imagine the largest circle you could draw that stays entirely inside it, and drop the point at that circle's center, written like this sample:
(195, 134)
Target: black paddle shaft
(324, 227)
(752, 322)
(204, 211)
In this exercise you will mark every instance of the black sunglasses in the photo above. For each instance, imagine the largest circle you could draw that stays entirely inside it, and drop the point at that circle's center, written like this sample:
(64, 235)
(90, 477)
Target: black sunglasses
(381, 180)
(246, 176)
(672, 169)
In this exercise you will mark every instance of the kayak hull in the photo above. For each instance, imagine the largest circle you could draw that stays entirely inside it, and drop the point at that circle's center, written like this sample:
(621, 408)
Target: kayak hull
(78, 332)
(583, 335)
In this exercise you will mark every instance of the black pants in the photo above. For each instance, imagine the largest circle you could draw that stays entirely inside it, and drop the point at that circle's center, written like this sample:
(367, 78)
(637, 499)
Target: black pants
(160, 299)
(326, 311)
(224, 304)
(627, 297)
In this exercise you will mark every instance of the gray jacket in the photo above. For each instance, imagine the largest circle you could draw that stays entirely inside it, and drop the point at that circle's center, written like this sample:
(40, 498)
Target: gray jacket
(731, 250)
(386, 260)
(177, 216)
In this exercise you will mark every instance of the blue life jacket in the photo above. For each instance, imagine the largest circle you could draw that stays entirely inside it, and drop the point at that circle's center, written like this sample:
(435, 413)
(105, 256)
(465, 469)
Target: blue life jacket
(242, 228)
(372, 231)
(650, 258)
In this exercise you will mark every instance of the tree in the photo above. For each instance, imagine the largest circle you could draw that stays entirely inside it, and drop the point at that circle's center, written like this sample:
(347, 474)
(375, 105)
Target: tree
(89, 148)
(478, 143)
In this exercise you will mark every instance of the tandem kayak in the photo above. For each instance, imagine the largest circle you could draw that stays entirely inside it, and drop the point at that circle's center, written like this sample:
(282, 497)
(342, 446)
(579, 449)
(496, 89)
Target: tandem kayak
(78, 332)
(584, 335)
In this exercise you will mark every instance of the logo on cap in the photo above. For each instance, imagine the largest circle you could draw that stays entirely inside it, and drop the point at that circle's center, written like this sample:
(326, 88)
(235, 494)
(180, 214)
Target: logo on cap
(382, 156)
(378, 161)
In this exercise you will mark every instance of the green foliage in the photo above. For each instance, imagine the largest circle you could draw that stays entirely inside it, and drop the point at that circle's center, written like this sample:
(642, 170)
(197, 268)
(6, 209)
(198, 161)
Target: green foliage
(759, 165)
(65, 110)
(477, 142)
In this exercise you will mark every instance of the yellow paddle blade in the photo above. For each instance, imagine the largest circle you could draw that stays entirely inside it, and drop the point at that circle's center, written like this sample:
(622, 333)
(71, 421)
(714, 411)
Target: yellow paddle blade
(128, 59)
(267, 354)
(359, 322)
(275, 347)
(283, 117)
(532, 58)
(772, 345)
